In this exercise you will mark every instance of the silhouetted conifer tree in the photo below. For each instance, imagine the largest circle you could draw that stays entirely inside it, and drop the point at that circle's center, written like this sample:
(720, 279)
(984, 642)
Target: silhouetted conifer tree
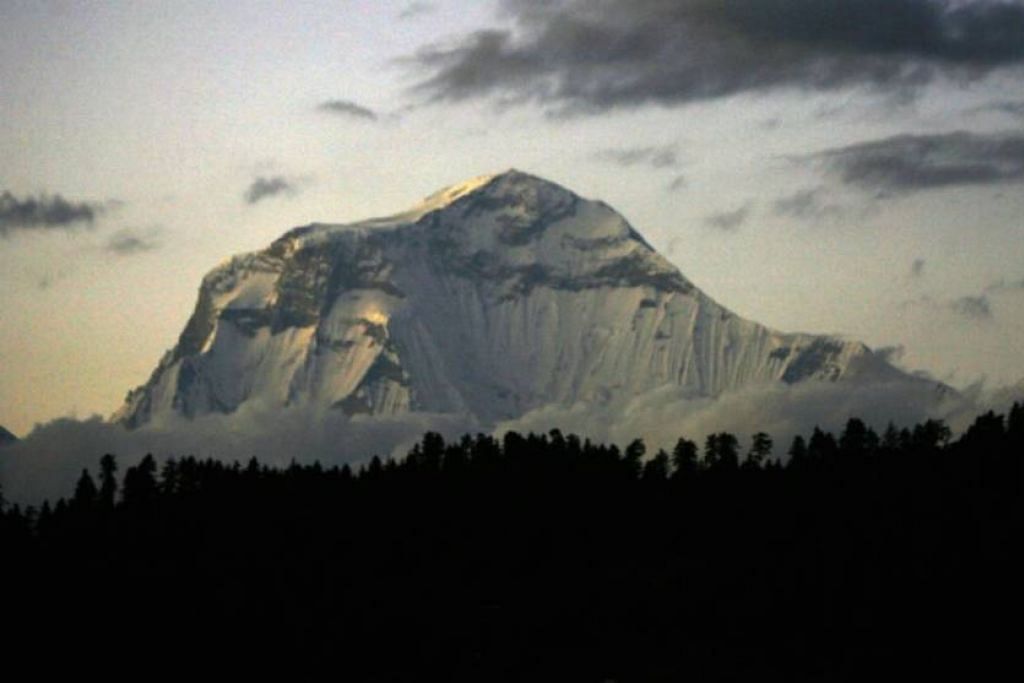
(656, 469)
(85, 492)
(573, 447)
(721, 452)
(1015, 426)
(44, 521)
(108, 481)
(432, 452)
(375, 469)
(456, 458)
(798, 459)
(933, 435)
(169, 476)
(890, 443)
(684, 458)
(821, 448)
(985, 434)
(252, 468)
(557, 440)
(486, 451)
(857, 442)
(760, 451)
(633, 457)
(140, 487)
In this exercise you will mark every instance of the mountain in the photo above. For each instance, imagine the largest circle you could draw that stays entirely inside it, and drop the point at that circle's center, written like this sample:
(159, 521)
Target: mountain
(491, 298)
(6, 437)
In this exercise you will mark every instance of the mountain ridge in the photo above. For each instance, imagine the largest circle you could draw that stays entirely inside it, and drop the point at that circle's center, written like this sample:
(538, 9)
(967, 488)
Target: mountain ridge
(492, 297)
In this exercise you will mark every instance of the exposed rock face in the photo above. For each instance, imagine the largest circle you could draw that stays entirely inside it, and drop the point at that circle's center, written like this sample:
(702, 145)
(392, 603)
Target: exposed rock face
(492, 298)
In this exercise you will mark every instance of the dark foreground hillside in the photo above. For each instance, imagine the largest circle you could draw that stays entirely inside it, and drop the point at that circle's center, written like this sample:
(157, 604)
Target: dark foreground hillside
(543, 558)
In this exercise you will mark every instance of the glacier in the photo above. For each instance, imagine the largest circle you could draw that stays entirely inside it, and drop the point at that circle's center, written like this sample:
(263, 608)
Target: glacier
(492, 298)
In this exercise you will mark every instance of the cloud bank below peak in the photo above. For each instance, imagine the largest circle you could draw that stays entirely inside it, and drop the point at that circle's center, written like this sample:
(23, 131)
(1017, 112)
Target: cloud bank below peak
(579, 55)
(47, 462)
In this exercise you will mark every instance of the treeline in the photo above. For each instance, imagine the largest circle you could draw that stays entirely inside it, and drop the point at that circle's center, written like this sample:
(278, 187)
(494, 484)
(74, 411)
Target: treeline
(547, 557)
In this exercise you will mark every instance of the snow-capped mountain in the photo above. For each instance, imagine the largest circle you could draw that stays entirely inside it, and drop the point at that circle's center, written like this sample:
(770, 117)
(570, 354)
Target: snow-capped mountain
(491, 298)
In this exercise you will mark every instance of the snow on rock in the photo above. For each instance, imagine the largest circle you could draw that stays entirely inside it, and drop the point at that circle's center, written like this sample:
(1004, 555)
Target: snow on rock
(491, 298)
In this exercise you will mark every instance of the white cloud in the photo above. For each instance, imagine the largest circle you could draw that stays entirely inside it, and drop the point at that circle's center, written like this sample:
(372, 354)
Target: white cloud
(663, 415)
(47, 462)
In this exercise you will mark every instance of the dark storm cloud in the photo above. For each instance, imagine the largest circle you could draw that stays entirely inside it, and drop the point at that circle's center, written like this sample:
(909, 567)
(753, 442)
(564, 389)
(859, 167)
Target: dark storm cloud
(45, 212)
(655, 157)
(592, 55)
(348, 108)
(729, 220)
(130, 242)
(910, 163)
(263, 188)
(973, 307)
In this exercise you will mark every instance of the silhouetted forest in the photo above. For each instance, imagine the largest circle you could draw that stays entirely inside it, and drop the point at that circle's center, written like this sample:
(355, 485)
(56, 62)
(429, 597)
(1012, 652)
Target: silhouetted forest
(544, 557)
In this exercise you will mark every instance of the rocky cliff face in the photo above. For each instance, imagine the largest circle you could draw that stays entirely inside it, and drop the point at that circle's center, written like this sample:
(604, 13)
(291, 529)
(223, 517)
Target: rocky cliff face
(492, 298)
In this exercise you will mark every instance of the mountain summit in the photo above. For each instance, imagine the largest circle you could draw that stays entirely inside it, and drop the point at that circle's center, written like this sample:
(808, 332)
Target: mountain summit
(491, 298)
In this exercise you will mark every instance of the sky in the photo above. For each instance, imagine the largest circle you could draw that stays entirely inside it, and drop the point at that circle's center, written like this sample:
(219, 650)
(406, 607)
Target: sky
(829, 166)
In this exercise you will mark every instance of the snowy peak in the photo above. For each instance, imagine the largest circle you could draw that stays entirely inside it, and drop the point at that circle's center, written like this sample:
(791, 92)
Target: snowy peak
(449, 195)
(494, 297)
(528, 192)
(524, 226)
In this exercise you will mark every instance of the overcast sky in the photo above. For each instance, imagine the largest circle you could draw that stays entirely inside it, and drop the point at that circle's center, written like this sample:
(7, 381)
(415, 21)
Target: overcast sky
(839, 166)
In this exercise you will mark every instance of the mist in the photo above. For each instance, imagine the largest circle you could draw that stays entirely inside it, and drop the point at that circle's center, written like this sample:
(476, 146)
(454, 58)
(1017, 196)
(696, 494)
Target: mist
(47, 463)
